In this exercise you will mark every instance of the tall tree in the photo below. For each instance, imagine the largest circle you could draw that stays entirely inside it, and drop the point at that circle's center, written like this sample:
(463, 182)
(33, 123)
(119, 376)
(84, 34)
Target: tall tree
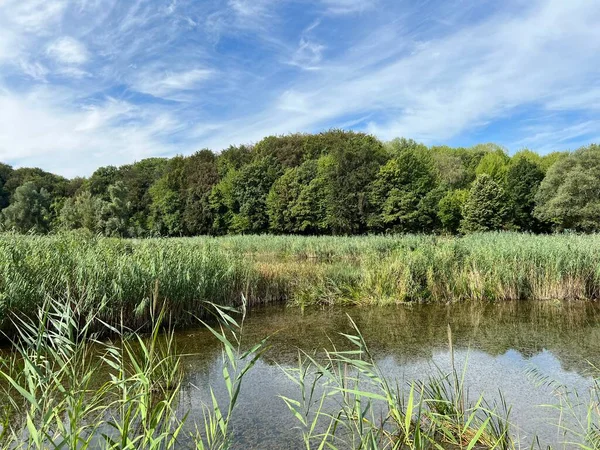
(450, 209)
(29, 210)
(404, 194)
(495, 164)
(117, 212)
(200, 174)
(285, 202)
(485, 208)
(250, 190)
(523, 179)
(166, 207)
(569, 196)
(84, 211)
(345, 175)
(5, 173)
(138, 178)
(101, 179)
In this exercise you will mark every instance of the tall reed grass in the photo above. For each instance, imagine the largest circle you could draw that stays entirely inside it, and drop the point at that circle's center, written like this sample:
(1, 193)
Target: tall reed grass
(51, 396)
(119, 279)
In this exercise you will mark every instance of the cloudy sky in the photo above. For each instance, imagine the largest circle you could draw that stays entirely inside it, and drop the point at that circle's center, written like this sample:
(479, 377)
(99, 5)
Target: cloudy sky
(85, 83)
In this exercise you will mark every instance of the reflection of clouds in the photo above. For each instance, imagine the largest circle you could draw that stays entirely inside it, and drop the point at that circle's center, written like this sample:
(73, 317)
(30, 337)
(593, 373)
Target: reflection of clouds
(500, 342)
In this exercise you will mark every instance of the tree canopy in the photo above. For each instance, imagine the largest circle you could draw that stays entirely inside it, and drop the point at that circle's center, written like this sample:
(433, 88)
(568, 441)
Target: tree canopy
(334, 182)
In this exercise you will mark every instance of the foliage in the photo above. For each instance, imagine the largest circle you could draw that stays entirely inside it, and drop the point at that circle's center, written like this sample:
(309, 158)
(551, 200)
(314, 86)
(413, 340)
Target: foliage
(101, 179)
(83, 211)
(29, 210)
(569, 195)
(345, 175)
(450, 209)
(5, 173)
(335, 182)
(485, 208)
(166, 207)
(404, 196)
(495, 164)
(523, 179)
(285, 200)
(116, 212)
(200, 175)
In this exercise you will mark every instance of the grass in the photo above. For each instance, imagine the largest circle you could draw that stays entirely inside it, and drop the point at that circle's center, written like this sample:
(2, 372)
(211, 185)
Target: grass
(122, 280)
(51, 396)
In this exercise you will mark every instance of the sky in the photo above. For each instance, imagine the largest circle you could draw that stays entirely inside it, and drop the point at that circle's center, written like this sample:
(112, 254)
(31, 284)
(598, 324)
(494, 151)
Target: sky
(88, 83)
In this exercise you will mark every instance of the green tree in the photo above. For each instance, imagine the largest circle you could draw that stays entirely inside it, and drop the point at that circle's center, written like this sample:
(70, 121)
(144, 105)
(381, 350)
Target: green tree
(288, 150)
(450, 169)
(200, 174)
(250, 190)
(138, 178)
(550, 159)
(223, 203)
(404, 194)
(82, 211)
(485, 208)
(523, 179)
(101, 179)
(117, 212)
(234, 158)
(345, 176)
(29, 210)
(495, 164)
(450, 209)
(285, 200)
(5, 173)
(569, 195)
(166, 207)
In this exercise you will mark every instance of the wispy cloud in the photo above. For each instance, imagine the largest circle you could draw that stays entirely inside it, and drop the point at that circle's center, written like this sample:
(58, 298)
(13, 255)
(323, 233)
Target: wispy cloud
(67, 50)
(166, 83)
(85, 83)
(348, 6)
(34, 15)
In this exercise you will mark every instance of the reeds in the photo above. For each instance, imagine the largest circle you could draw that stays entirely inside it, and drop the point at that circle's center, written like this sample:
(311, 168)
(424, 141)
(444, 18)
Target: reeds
(119, 279)
(64, 389)
(371, 412)
(53, 396)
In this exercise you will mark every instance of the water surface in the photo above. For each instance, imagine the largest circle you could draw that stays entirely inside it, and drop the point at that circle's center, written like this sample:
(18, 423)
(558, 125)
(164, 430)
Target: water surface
(501, 342)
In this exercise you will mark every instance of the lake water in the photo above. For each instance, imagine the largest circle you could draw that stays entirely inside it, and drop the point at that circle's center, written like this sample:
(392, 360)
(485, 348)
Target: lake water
(502, 343)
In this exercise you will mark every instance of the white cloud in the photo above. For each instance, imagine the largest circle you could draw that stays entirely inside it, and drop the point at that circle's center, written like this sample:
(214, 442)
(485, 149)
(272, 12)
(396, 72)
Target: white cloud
(68, 50)
(34, 15)
(64, 110)
(35, 70)
(166, 83)
(38, 130)
(446, 86)
(308, 55)
(251, 9)
(348, 6)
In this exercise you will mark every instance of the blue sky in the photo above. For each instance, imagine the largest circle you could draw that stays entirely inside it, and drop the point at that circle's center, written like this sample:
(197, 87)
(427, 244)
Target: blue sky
(85, 83)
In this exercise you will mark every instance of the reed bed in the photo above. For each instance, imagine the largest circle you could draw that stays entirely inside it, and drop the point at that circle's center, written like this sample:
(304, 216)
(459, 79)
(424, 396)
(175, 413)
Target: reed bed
(122, 280)
(51, 396)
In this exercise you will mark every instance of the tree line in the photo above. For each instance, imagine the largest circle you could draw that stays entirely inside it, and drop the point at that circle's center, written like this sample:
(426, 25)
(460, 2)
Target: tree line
(335, 182)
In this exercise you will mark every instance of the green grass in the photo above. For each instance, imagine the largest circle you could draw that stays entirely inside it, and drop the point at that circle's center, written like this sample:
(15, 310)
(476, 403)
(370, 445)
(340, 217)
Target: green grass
(51, 397)
(124, 280)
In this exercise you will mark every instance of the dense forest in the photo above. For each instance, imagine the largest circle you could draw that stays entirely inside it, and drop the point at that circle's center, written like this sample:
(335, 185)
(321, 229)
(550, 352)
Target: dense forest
(336, 182)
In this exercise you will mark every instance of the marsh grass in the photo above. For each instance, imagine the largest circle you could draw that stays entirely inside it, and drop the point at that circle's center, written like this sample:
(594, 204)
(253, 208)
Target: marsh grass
(119, 280)
(371, 412)
(53, 398)
(62, 388)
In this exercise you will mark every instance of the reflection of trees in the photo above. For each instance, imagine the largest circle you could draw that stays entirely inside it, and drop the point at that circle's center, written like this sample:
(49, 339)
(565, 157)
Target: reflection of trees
(570, 331)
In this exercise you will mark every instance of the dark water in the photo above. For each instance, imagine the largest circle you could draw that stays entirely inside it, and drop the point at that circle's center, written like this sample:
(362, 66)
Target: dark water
(501, 342)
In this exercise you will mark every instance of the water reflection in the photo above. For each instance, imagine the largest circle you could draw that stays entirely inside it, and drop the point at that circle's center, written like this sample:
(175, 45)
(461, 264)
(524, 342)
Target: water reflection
(501, 341)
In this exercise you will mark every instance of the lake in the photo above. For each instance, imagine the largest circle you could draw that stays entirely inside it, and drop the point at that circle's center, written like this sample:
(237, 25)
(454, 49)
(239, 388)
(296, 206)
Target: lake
(500, 342)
